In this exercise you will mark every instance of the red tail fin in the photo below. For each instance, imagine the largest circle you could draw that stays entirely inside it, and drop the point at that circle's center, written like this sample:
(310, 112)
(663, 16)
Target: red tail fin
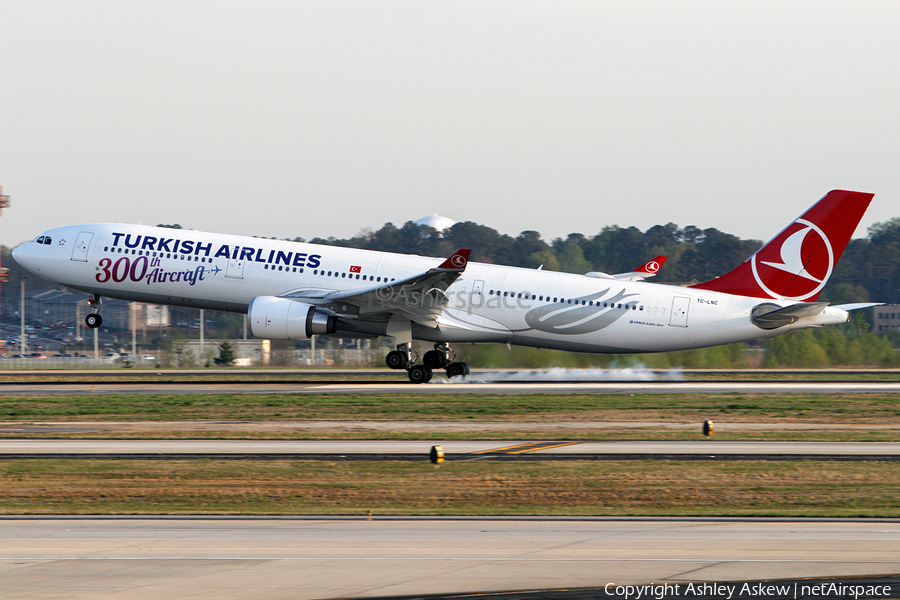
(797, 262)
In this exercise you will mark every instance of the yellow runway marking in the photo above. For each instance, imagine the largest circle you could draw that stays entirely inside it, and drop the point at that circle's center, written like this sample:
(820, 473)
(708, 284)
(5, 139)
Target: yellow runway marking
(529, 447)
(543, 447)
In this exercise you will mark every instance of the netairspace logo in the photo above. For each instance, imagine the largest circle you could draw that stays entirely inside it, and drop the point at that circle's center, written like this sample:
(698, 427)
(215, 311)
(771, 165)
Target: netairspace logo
(560, 374)
(727, 591)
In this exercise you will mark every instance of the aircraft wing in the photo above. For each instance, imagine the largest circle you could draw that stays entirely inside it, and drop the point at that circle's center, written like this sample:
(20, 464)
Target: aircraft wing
(648, 269)
(420, 298)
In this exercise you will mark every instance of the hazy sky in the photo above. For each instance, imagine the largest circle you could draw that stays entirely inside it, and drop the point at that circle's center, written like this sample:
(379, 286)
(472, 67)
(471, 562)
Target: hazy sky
(322, 118)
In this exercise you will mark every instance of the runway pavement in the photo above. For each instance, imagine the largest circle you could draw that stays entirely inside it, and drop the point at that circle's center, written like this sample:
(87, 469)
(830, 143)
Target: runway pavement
(442, 386)
(307, 558)
(454, 449)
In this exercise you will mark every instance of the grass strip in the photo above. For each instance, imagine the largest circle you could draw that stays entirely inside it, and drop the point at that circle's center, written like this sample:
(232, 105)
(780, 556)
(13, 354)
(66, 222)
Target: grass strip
(665, 488)
(514, 432)
(837, 408)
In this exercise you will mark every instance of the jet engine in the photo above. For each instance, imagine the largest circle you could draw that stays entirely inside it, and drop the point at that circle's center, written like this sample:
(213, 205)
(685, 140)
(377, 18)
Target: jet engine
(283, 319)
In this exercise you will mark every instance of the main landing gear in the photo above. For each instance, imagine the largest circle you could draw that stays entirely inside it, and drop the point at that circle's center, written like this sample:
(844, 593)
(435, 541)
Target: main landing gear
(94, 320)
(439, 358)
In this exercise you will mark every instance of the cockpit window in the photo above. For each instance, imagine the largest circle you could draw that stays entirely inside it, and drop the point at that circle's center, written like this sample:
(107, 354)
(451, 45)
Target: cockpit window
(40, 240)
(47, 240)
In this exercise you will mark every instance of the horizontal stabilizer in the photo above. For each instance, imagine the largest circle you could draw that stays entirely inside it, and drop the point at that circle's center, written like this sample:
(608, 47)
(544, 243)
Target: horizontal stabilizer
(772, 316)
(858, 305)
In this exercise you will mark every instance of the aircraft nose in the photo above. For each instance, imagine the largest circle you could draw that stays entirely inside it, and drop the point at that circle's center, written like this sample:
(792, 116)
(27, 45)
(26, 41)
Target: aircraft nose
(26, 257)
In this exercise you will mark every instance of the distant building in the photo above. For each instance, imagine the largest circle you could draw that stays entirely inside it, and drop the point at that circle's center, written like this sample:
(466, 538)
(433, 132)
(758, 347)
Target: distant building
(52, 308)
(886, 316)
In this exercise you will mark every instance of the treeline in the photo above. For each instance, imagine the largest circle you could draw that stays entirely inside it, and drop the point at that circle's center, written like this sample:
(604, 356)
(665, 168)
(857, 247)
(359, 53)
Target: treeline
(694, 254)
(868, 271)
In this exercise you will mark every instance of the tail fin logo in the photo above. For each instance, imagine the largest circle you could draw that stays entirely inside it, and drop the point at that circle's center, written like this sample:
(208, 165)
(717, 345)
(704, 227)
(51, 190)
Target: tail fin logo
(652, 266)
(794, 261)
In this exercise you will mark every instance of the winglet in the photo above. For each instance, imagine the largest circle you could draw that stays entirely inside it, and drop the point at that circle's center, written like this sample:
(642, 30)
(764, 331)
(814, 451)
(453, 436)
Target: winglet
(457, 262)
(648, 269)
(652, 266)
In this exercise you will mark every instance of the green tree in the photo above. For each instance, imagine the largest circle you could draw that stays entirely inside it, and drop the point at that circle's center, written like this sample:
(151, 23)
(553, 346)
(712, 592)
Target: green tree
(226, 355)
(797, 349)
(571, 259)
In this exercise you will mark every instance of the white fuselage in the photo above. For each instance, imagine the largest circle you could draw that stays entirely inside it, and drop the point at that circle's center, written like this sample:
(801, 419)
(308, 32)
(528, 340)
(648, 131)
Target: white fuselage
(488, 303)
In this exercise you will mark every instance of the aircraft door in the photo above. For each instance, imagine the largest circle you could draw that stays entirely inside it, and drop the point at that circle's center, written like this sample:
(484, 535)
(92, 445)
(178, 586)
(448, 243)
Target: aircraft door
(82, 244)
(477, 293)
(235, 268)
(680, 307)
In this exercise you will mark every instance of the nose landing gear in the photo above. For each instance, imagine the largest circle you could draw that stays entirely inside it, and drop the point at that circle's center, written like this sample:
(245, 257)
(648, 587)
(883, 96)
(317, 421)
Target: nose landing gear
(94, 320)
(439, 358)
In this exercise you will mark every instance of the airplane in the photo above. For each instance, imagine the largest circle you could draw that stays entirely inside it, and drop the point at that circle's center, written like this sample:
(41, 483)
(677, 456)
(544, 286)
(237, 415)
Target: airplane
(292, 290)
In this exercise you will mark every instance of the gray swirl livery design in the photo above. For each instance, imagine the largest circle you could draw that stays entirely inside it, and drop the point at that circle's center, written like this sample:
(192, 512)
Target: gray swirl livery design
(292, 290)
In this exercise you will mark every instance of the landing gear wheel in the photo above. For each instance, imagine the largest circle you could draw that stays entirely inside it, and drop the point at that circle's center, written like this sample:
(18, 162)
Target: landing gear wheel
(93, 321)
(420, 374)
(457, 369)
(434, 359)
(396, 360)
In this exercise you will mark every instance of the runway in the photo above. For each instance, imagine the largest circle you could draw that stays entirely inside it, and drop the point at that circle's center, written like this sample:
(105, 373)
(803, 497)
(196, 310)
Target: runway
(442, 386)
(454, 450)
(305, 558)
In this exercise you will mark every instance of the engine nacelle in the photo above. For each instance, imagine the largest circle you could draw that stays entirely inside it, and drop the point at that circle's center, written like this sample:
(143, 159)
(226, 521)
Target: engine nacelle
(283, 319)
